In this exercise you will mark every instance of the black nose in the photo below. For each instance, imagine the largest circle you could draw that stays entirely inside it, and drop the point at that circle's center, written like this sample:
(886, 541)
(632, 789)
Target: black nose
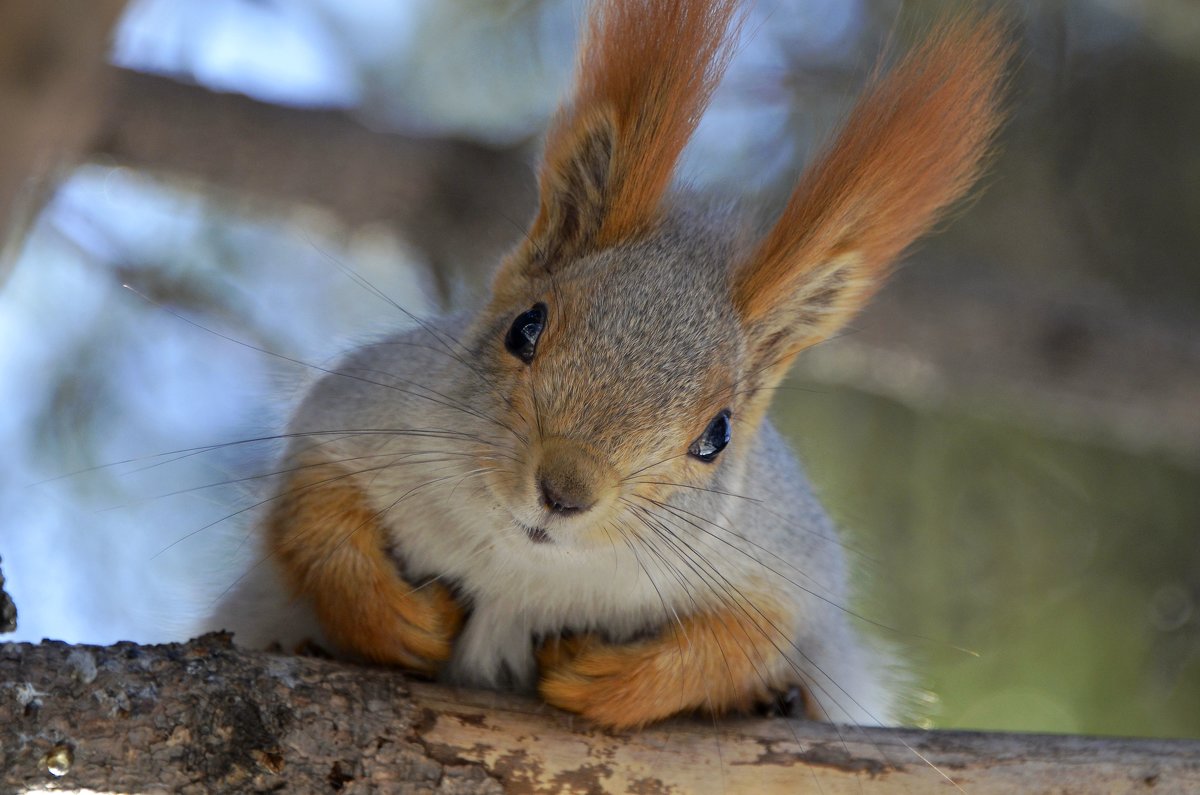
(564, 497)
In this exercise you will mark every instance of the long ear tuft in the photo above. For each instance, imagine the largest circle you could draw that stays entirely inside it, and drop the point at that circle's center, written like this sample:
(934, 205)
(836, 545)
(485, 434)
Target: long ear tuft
(645, 74)
(914, 143)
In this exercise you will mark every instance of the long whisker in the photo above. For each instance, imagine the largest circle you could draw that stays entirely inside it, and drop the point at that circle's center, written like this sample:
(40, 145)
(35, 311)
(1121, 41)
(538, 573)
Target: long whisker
(731, 589)
(348, 535)
(260, 503)
(760, 505)
(451, 455)
(650, 521)
(668, 609)
(689, 592)
(446, 400)
(628, 478)
(180, 454)
(744, 604)
(694, 487)
(731, 596)
(646, 518)
(291, 359)
(436, 334)
(680, 512)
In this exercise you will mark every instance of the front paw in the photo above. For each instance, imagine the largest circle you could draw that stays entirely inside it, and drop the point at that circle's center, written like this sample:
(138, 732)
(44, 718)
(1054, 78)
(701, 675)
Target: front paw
(720, 661)
(618, 686)
(333, 550)
(412, 627)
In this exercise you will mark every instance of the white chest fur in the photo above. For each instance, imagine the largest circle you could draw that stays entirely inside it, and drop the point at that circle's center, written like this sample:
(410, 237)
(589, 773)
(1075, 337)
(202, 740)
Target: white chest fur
(519, 590)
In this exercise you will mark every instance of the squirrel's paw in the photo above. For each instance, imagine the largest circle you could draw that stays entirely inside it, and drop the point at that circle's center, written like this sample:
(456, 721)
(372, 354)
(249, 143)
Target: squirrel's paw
(618, 686)
(717, 662)
(333, 550)
(631, 685)
(412, 627)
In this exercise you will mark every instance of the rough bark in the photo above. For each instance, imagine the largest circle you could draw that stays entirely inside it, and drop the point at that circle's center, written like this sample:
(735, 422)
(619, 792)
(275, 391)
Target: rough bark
(205, 717)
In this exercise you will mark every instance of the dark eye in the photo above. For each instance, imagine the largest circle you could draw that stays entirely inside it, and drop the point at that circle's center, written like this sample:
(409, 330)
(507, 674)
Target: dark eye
(522, 338)
(714, 438)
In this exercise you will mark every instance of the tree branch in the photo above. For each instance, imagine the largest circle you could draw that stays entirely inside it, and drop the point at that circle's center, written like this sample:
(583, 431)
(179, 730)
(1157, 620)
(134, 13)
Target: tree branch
(205, 717)
(462, 204)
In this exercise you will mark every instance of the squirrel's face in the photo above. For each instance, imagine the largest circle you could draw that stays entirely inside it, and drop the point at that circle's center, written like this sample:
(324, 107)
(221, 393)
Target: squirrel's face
(615, 395)
(623, 355)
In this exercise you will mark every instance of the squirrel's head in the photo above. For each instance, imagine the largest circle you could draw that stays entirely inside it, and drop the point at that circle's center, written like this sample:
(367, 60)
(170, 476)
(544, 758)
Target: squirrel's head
(634, 342)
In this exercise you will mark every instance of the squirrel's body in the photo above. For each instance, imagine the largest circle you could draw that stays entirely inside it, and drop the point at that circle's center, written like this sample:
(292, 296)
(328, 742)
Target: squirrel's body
(540, 492)
(763, 528)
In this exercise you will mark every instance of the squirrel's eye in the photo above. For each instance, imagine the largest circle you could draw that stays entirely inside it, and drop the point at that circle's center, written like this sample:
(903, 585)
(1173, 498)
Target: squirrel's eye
(714, 438)
(521, 340)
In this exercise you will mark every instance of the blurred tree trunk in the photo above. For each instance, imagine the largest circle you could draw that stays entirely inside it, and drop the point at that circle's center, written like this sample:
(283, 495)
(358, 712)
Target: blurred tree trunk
(52, 91)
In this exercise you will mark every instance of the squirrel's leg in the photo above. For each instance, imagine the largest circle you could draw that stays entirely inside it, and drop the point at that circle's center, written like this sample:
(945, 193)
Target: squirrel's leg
(723, 660)
(333, 551)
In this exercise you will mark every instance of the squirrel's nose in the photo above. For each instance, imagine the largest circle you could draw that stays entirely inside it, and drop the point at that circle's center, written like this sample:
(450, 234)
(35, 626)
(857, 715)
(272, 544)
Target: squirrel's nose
(570, 477)
(564, 496)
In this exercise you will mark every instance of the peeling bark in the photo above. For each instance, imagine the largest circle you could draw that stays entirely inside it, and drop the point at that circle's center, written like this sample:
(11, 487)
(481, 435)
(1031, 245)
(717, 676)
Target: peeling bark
(205, 717)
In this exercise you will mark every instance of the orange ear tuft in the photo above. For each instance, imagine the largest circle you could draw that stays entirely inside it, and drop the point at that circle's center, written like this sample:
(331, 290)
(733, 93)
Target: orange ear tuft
(914, 143)
(646, 72)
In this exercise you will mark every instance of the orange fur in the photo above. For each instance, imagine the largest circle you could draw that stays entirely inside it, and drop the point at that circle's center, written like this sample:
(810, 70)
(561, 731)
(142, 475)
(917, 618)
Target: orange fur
(646, 71)
(333, 551)
(913, 144)
(716, 661)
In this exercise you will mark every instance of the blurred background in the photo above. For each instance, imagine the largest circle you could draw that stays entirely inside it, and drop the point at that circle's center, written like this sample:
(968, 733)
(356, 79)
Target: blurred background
(1010, 435)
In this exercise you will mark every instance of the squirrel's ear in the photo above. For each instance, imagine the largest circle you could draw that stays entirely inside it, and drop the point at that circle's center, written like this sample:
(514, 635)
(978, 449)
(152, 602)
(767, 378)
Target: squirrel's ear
(646, 71)
(913, 144)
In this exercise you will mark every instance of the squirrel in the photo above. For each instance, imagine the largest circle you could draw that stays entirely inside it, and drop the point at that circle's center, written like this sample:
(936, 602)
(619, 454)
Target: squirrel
(575, 488)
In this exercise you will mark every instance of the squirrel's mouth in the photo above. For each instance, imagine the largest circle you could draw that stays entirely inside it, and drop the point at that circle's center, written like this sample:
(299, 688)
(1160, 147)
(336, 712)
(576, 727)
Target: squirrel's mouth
(537, 535)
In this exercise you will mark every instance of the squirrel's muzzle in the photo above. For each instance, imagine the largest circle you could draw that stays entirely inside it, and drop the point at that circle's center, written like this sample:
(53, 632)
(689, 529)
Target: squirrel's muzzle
(570, 479)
